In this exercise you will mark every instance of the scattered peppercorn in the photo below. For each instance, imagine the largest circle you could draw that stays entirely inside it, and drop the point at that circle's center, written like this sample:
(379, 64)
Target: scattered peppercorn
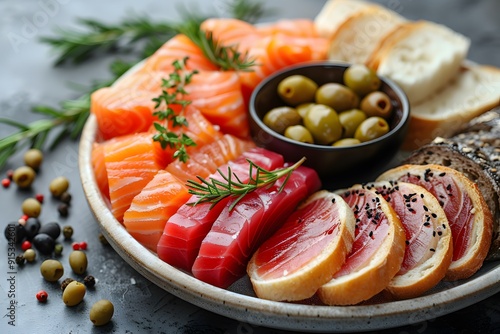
(6, 183)
(25, 245)
(39, 198)
(67, 232)
(29, 255)
(65, 283)
(58, 248)
(20, 260)
(63, 210)
(65, 197)
(103, 239)
(89, 281)
(75, 246)
(10, 174)
(42, 296)
(83, 245)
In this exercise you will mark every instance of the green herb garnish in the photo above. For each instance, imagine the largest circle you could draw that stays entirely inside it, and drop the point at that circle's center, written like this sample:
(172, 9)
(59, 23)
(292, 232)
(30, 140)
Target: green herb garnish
(213, 191)
(173, 94)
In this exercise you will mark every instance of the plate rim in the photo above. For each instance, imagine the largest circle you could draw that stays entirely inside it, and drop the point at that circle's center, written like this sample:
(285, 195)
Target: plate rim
(280, 315)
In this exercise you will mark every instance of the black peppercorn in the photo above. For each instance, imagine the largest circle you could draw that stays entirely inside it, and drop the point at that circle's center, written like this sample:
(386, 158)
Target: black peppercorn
(20, 260)
(63, 210)
(65, 197)
(89, 281)
(65, 283)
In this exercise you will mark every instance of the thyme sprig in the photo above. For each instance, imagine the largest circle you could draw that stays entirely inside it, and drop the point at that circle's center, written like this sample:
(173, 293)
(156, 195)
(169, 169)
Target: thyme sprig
(173, 94)
(213, 190)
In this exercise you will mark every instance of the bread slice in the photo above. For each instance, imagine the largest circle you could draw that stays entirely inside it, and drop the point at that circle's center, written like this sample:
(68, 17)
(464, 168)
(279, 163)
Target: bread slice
(476, 154)
(358, 36)
(306, 251)
(429, 246)
(468, 214)
(377, 254)
(335, 12)
(474, 91)
(422, 57)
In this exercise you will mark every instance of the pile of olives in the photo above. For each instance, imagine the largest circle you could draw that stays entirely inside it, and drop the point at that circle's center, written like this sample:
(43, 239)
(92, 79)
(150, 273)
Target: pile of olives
(338, 114)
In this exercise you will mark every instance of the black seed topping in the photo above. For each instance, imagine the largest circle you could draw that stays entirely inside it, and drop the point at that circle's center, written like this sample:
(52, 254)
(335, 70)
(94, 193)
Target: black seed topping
(411, 210)
(433, 233)
(434, 215)
(407, 242)
(440, 233)
(371, 234)
(421, 195)
(442, 174)
(333, 200)
(444, 226)
(427, 224)
(448, 187)
(432, 250)
(426, 208)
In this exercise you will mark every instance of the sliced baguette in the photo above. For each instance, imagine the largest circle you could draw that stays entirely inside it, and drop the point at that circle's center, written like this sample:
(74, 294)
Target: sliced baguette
(474, 91)
(335, 12)
(448, 185)
(367, 270)
(422, 57)
(296, 269)
(429, 246)
(358, 36)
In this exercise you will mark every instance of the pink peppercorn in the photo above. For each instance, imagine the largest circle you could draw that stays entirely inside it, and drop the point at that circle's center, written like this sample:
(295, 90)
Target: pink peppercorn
(42, 296)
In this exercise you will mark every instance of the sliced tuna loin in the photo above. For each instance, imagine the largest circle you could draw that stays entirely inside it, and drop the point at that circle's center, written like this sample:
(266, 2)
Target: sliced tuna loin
(237, 233)
(306, 251)
(469, 217)
(377, 252)
(429, 246)
(185, 230)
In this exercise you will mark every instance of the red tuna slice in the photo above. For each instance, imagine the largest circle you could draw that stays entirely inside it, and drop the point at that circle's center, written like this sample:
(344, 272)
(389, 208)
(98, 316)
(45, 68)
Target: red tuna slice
(376, 255)
(237, 233)
(306, 251)
(469, 217)
(429, 246)
(185, 230)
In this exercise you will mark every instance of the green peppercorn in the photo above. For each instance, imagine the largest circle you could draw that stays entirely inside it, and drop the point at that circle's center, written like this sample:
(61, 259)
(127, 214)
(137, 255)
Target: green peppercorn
(29, 255)
(58, 248)
(20, 260)
(89, 281)
(67, 232)
(65, 283)
(24, 176)
(31, 207)
(58, 186)
(33, 158)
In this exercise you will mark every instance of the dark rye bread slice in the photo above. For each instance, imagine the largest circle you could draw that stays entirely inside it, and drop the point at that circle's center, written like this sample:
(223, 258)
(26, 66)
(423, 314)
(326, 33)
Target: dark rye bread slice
(476, 153)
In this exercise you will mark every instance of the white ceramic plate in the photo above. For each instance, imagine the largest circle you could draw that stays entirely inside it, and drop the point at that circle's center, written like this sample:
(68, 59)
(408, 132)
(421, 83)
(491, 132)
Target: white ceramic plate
(239, 301)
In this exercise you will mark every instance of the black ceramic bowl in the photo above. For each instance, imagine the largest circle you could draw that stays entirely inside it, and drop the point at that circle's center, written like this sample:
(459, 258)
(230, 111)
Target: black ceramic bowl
(359, 162)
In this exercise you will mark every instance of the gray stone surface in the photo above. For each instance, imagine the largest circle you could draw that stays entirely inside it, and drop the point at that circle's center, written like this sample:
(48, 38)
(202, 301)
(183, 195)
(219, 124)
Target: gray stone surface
(28, 78)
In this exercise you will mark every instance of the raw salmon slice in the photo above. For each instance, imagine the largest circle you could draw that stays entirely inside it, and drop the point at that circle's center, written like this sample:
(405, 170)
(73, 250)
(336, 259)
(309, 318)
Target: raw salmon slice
(130, 164)
(232, 32)
(290, 27)
(306, 251)
(376, 255)
(429, 246)
(237, 233)
(184, 231)
(177, 48)
(205, 161)
(469, 217)
(150, 209)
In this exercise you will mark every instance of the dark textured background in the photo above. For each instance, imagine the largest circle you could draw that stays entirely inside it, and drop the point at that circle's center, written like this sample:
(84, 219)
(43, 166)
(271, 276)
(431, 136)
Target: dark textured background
(28, 78)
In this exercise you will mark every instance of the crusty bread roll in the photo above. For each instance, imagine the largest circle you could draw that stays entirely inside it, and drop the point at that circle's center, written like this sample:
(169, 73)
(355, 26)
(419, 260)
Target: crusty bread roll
(358, 36)
(306, 251)
(470, 219)
(335, 12)
(422, 57)
(474, 91)
(429, 246)
(369, 267)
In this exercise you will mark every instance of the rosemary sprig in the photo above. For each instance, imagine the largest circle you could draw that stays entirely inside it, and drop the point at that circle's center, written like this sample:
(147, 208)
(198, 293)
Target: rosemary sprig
(213, 190)
(173, 93)
(247, 11)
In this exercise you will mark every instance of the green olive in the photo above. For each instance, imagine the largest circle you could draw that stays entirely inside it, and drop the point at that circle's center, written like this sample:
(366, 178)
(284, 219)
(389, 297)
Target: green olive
(371, 128)
(24, 176)
(33, 158)
(361, 79)
(58, 186)
(78, 261)
(303, 108)
(377, 104)
(350, 121)
(346, 142)
(51, 270)
(31, 207)
(29, 255)
(297, 89)
(299, 133)
(337, 96)
(101, 312)
(73, 293)
(280, 118)
(323, 123)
